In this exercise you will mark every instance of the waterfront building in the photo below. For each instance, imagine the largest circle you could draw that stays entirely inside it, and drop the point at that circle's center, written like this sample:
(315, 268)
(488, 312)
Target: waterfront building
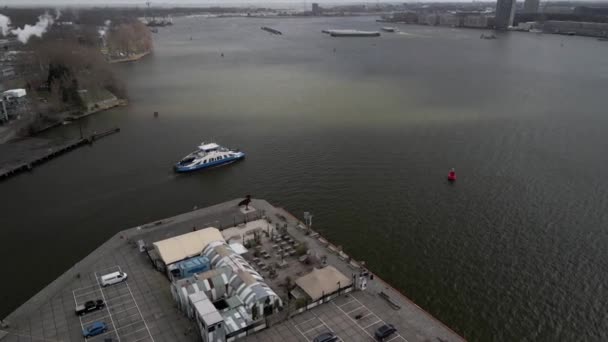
(428, 19)
(449, 19)
(558, 9)
(227, 300)
(587, 10)
(576, 28)
(320, 283)
(408, 17)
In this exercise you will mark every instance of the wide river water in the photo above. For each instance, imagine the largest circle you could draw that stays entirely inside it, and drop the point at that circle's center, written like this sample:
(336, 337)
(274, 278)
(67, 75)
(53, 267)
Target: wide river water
(361, 132)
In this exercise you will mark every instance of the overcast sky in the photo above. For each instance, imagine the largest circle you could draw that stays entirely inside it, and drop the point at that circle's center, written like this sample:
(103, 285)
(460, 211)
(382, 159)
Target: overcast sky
(288, 3)
(171, 2)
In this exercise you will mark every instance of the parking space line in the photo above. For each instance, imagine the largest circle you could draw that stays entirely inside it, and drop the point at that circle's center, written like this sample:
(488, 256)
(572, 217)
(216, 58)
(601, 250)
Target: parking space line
(85, 287)
(107, 268)
(367, 314)
(381, 320)
(104, 299)
(118, 301)
(308, 320)
(314, 328)
(142, 316)
(125, 310)
(143, 338)
(133, 332)
(95, 320)
(106, 316)
(365, 331)
(122, 295)
(325, 324)
(350, 301)
(130, 316)
(376, 322)
(86, 293)
(128, 325)
(301, 333)
(351, 311)
(79, 317)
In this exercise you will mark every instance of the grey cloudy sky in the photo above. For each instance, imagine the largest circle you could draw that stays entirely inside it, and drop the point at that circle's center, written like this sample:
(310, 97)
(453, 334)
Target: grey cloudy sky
(187, 2)
(290, 3)
(170, 2)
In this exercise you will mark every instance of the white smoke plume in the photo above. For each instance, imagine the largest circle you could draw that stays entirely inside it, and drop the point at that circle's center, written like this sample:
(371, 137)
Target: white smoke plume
(102, 31)
(5, 24)
(24, 34)
(57, 13)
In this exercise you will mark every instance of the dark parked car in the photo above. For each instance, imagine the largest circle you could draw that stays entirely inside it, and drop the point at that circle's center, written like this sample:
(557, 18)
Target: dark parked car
(95, 329)
(326, 337)
(385, 331)
(91, 305)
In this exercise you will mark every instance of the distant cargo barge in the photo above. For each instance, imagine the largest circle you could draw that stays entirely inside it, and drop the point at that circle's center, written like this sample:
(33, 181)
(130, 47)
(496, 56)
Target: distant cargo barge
(271, 30)
(351, 33)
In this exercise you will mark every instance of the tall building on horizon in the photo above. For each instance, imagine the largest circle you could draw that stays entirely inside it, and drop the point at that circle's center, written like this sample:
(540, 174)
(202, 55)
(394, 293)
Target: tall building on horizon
(316, 10)
(531, 6)
(505, 11)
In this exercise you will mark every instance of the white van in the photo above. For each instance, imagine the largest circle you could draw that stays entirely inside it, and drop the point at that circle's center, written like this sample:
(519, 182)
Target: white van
(113, 278)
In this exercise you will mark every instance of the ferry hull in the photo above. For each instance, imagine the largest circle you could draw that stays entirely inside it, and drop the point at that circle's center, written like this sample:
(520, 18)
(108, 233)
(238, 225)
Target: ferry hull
(183, 169)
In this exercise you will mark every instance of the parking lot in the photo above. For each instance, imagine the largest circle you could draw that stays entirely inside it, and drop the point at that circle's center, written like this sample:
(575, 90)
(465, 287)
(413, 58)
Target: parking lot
(312, 327)
(347, 317)
(363, 317)
(121, 313)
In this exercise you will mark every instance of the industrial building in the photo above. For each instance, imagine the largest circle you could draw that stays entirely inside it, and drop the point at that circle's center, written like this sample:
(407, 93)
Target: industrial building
(505, 12)
(12, 103)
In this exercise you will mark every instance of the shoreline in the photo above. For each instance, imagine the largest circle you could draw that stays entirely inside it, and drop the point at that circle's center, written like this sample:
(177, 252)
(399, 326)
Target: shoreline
(13, 136)
(131, 58)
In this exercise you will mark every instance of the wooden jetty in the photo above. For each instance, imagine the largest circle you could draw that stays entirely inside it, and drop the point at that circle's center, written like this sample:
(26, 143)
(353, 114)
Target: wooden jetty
(29, 162)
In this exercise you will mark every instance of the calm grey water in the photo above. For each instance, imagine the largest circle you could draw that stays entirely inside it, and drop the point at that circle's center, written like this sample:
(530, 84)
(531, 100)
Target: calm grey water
(362, 137)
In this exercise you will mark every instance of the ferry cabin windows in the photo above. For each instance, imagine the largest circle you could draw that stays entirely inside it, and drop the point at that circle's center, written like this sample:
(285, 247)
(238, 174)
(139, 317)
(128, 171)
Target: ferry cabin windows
(225, 156)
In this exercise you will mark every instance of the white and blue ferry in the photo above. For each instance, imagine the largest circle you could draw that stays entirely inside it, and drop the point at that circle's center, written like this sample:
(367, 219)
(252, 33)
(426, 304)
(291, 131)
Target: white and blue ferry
(208, 155)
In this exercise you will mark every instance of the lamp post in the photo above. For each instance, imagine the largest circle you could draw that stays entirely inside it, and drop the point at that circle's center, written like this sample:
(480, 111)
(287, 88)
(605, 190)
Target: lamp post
(308, 219)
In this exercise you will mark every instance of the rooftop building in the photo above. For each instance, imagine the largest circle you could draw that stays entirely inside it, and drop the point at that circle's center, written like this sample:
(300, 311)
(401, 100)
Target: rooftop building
(320, 282)
(185, 246)
(226, 300)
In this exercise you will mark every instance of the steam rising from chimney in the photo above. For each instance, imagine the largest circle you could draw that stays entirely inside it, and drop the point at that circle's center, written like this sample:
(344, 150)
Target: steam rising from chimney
(5, 24)
(24, 34)
(104, 30)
